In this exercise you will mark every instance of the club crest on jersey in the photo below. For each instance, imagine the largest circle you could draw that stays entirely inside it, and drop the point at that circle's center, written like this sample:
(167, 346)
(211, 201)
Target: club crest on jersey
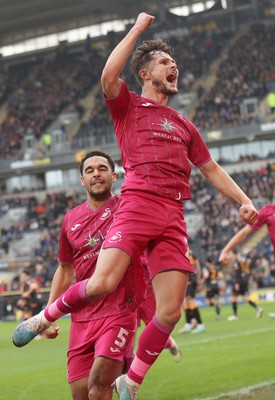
(91, 241)
(117, 237)
(106, 214)
(164, 133)
(166, 125)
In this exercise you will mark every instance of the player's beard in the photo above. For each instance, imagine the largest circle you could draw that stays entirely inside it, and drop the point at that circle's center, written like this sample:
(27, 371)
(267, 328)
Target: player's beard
(164, 88)
(99, 195)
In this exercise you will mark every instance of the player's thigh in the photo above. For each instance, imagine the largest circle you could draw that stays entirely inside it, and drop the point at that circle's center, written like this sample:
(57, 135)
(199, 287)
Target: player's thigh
(111, 266)
(79, 389)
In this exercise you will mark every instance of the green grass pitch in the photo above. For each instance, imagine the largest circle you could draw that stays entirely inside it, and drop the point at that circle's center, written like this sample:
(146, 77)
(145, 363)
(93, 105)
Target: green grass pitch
(228, 357)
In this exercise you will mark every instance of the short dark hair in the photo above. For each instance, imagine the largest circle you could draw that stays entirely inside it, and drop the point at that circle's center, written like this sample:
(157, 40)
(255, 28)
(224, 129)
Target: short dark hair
(95, 153)
(142, 55)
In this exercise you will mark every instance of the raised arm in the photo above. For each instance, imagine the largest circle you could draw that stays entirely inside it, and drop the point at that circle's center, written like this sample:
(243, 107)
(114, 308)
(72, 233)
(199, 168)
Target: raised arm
(237, 239)
(119, 56)
(220, 179)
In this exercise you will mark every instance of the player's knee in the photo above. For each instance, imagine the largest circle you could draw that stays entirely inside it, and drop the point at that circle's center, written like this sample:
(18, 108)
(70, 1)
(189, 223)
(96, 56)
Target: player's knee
(173, 319)
(94, 394)
(169, 316)
(93, 390)
(98, 391)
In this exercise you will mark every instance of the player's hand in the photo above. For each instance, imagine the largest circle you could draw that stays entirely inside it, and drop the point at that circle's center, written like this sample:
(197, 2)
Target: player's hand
(224, 257)
(52, 331)
(248, 213)
(143, 21)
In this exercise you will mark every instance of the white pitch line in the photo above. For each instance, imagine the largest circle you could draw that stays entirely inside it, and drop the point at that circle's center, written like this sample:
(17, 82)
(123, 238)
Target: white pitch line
(242, 391)
(231, 335)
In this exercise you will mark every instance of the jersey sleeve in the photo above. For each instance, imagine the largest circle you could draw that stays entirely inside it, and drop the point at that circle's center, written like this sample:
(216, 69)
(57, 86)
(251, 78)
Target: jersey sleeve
(261, 220)
(118, 105)
(198, 152)
(65, 253)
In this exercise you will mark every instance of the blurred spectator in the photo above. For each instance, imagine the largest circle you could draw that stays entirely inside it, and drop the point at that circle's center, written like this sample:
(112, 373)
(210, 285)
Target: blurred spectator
(47, 140)
(30, 298)
(240, 75)
(3, 286)
(271, 101)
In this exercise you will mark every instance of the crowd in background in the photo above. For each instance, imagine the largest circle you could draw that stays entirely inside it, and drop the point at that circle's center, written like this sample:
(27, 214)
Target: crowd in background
(221, 221)
(247, 71)
(37, 92)
(49, 87)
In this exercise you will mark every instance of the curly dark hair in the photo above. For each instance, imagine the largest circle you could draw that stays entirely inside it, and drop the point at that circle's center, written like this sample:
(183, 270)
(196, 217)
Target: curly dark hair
(142, 55)
(93, 154)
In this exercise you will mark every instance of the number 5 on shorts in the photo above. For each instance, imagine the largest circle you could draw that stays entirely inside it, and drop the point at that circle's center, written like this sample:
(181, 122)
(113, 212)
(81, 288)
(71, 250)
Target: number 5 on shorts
(122, 337)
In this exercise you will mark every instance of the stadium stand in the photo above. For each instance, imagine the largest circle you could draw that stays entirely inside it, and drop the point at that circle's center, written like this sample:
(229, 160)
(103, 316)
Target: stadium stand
(244, 73)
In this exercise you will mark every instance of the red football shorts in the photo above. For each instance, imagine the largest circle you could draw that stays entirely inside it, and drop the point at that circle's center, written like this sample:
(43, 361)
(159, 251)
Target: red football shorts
(111, 337)
(146, 221)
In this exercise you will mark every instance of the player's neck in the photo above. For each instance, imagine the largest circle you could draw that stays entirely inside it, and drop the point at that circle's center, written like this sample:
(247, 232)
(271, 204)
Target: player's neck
(96, 203)
(151, 94)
